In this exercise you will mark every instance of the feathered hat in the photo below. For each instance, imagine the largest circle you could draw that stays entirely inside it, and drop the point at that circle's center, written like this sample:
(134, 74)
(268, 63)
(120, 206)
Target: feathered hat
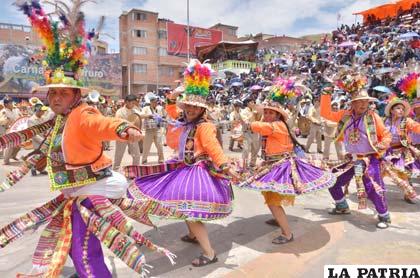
(197, 77)
(354, 85)
(281, 93)
(64, 42)
(408, 86)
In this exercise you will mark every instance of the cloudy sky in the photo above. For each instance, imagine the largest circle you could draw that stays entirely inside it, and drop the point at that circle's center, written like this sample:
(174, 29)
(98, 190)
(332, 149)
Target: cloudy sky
(278, 17)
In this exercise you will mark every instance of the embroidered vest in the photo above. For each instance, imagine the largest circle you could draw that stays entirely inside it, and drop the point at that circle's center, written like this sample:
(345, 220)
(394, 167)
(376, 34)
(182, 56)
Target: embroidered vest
(403, 132)
(189, 157)
(369, 124)
(61, 174)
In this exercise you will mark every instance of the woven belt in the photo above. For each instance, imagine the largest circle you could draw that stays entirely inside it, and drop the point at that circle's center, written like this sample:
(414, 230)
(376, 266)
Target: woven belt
(277, 157)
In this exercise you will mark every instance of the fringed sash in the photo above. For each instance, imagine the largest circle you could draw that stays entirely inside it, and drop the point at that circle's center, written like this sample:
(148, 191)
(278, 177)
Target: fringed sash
(15, 139)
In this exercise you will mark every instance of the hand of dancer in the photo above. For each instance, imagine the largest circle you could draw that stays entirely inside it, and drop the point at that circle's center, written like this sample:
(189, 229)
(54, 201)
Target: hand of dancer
(233, 174)
(132, 135)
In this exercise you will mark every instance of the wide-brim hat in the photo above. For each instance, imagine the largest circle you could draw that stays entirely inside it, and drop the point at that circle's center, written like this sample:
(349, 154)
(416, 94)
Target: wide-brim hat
(194, 100)
(83, 90)
(394, 102)
(273, 105)
(362, 95)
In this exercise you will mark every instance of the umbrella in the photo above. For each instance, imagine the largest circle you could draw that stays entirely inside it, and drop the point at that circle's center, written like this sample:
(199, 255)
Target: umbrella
(353, 36)
(347, 44)
(256, 88)
(217, 85)
(382, 89)
(266, 89)
(236, 79)
(408, 36)
(236, 84)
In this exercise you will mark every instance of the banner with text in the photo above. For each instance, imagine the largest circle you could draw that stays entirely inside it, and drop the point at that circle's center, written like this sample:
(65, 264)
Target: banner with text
(177, 38)
(19, 73)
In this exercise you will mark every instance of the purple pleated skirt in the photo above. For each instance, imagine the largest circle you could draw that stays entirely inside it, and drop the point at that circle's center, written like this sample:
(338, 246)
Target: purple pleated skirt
(292, 177)
(403, 160)
(191, 189)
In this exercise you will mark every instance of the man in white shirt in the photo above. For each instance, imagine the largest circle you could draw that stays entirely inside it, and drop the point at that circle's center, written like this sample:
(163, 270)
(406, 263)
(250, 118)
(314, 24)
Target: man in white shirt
(236, 126)
(9, 115)
(152, 128)
(251, 139)
(315, 132)
(127, 112)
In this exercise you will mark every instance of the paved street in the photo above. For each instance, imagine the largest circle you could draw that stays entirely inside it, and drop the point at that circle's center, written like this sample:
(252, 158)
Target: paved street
(242, 240)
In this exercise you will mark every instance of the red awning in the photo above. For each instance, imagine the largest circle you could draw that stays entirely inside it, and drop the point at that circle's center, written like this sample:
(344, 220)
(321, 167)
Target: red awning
(388, 10)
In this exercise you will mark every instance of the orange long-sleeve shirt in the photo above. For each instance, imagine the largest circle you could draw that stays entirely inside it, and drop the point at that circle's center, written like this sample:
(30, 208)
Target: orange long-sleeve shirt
(383, 134)
(205, 139)
(85, 130)
(412, 126)
(278, 137)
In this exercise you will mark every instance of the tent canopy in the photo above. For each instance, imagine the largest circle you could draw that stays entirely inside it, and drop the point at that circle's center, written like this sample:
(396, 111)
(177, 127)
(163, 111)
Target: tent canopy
(228, 50)
(388, 10)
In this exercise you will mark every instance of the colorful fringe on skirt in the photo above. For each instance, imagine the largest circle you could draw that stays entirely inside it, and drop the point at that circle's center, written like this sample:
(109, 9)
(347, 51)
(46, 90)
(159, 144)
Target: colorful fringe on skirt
(106, 219)
(290, 176)
(197, 191)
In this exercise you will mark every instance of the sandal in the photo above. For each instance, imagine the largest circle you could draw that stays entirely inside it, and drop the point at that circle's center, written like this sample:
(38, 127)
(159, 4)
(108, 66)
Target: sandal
(339, 211)
(272, 222)
(189, 239)
(203, 260)
(282, 239)
(411, 201)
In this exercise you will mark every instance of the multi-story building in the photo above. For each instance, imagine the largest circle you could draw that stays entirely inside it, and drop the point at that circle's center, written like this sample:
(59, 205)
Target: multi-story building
(229, 32)
(282, 43)
(24, 35)
(146, 64)
(18, 34)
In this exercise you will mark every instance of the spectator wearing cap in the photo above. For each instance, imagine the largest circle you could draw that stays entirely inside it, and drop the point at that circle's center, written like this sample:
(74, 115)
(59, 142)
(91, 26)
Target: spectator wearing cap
(129, 113)
(9, 115)
(152, 115)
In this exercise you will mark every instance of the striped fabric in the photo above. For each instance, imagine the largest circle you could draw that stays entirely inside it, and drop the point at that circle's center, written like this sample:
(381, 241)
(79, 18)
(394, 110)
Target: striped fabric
(135, 171)
(48, 242)
(63, 245)
(140, 210)
(30, 220)
(15, 139)
(15, 176)
(121, 245)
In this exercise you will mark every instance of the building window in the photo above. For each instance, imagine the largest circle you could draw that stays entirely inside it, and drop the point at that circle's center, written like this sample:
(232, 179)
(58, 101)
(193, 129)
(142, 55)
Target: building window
(162, 34)
(232, 32)
(140, 33)
(140, 68)
(166, 71)
(139, 50)
(163, 51)
(141, 16)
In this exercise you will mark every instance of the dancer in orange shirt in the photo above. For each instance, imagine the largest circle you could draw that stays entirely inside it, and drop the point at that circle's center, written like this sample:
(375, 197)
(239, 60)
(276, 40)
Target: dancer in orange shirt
(283, 175)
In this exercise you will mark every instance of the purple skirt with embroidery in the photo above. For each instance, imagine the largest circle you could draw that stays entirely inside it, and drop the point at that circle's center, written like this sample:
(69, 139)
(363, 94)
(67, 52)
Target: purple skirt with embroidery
(292, 177)
(191, 189)
(403, 159)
